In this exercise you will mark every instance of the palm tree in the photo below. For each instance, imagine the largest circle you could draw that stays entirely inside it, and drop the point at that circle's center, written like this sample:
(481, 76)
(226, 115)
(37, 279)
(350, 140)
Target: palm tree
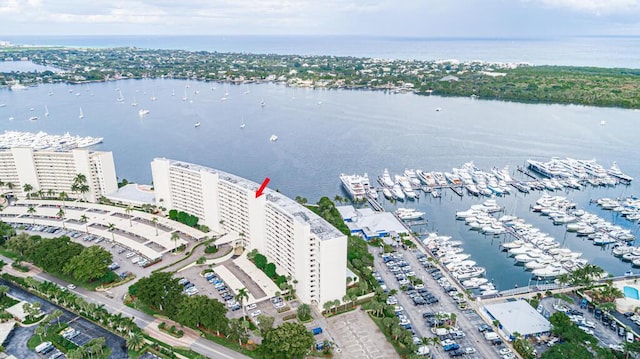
(111, 228)
(128, 212)
(60, 215)
(10, 186)
(63, 197)
(27, 188)
(32, 211)
(51, 193)
(346, 298)
(174, 237)
(80, 184)
(241, 296)
(327, 306)
(135, 341)
(83, 189)
(155, 222)
(85, 219)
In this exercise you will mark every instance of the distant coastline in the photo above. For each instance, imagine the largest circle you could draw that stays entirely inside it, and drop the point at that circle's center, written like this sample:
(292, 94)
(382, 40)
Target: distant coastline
(518, 82)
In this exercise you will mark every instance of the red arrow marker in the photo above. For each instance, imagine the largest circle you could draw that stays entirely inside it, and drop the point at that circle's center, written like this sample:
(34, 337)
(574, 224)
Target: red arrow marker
(262, 187)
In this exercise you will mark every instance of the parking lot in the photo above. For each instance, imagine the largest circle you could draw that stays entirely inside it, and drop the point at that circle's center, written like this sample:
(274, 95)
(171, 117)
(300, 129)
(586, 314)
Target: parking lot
(608, 332)
(420, 308)
(16, 345)
(359, 337)
(213, 286)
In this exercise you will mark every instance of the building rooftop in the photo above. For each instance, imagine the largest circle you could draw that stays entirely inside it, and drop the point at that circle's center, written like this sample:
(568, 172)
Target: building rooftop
(133, 193)
(318, 226)
(518, 316)
(370, 222)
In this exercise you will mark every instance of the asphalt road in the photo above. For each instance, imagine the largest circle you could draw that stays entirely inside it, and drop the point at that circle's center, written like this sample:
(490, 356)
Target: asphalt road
(115, 305)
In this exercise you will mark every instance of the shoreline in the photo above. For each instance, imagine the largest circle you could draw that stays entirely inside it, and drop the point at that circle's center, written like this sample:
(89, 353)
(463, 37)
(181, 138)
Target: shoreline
(513, 82)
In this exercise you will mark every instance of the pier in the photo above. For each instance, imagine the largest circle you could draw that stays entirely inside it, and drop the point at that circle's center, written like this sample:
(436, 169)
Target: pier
(457, 190)
(374, 204)
(526, 173)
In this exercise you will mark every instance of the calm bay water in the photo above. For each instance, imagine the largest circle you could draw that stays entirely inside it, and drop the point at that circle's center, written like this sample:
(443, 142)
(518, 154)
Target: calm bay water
(605, 51)
(324, 133)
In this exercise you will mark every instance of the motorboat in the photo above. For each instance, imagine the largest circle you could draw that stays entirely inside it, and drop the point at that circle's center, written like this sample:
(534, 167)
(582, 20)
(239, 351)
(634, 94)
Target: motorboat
(407, 214)
(355, 185)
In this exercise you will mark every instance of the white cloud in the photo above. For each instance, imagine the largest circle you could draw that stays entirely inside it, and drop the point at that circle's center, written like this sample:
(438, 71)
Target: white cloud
(598, 7)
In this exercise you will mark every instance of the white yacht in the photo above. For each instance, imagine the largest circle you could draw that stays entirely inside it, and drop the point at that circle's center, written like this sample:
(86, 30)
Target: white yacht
(143, 112)
(355, 185)
(273, 138)
(408, 214)
(197, 124)
(386, 178)
(397, 192)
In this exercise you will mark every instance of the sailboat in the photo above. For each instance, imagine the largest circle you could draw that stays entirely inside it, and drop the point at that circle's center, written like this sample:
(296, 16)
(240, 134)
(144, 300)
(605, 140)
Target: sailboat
(242, 125)
(50, 92)
(46, 111)
(120, 97)
(185, 95)
(81, 115)
(262, 104)
(173, 92)
(247, 90)
(134, 103)
(153, 95)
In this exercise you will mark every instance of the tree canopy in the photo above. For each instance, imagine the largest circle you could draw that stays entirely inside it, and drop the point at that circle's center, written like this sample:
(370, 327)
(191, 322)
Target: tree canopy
(289, 340)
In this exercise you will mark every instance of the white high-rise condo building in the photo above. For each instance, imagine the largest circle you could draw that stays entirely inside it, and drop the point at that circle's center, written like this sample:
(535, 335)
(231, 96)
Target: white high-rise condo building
(56, 170)
(296, 240)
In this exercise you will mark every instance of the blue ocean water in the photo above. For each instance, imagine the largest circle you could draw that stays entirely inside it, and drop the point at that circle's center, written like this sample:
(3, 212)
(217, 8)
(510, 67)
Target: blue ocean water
(604, 51)
(323, 133)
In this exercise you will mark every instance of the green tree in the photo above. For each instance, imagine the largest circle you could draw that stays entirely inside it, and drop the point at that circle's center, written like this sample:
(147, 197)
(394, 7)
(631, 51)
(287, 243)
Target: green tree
(237, 331)
(175, 237)
(60, 215)
(128, 212)
(304, 312)
(241, 296)
(289, 340)
(160, 291)
(200, 311)
(155, 223)
(92, 263)
(27, 188)
(270, 270)
(112, 227)
(32, 211)
(85, 219)
(260, 260)
(265, 323)
(135, 341)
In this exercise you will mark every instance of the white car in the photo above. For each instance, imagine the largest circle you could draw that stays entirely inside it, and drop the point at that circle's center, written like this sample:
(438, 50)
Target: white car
(252, 306)
(71, 286)
(505, 351)
(279, 305)
(256, 313)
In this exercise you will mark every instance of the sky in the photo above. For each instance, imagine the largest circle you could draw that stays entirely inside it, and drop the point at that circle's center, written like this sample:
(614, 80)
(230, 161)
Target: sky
(411, 18)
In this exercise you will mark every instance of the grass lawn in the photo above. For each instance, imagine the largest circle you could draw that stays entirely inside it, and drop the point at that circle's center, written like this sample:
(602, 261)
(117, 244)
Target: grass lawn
(233, 345)
(6, 302)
